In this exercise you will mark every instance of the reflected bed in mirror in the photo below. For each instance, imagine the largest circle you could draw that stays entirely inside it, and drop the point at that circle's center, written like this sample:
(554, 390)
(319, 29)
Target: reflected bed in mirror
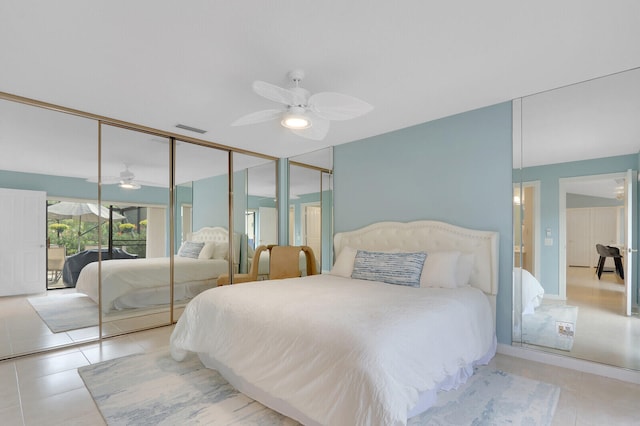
(144, 283)
(575, 186)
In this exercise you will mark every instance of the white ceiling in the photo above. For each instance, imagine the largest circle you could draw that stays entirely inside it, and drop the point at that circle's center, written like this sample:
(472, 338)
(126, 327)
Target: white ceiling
(159, 63)
(594, 119)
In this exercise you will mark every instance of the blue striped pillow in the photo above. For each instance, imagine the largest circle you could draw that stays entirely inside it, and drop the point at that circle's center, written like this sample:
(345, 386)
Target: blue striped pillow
(190, 249)
(392, 268)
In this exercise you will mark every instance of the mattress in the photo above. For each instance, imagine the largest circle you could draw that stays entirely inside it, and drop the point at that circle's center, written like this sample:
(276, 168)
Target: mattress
(128, 283)
(336, 350)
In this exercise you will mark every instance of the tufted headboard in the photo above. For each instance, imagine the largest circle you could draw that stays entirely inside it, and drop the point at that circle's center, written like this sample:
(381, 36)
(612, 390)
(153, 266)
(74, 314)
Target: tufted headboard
(216, 234)
(429, 235)
(208, 234)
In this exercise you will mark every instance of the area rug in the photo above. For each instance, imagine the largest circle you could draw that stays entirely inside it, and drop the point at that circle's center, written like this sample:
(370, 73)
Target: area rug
(551, 326)
(493, 397)
(153, 389)
(66, 311)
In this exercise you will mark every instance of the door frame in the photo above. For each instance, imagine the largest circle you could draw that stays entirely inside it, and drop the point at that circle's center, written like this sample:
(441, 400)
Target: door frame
(535, 184)
(562, 225)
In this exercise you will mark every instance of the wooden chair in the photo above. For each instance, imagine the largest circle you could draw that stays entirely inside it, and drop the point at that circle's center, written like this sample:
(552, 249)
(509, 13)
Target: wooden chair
(245, 278)
(55, 262)
(284, 262)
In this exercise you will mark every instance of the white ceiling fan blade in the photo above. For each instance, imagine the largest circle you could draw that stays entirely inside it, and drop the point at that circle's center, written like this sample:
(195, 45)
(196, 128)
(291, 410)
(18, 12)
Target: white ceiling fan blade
(258, 117)
(336, 106)
(318, 130)
(106, 180)
(275, 93)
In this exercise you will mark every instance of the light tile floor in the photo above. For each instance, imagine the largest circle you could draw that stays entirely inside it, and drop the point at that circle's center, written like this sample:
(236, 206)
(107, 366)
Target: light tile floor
(22, 331)
(603, 334)
(46, 389)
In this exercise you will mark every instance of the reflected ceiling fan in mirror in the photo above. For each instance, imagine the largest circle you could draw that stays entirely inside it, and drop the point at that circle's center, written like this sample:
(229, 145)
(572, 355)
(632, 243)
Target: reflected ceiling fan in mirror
(126, 180)
(304, 114)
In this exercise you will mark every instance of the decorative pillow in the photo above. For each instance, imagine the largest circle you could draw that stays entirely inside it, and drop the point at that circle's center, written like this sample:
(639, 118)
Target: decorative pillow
(391, 268)
(207, 251)
(221, 250)
(190, 249)
(465, 267)
(440, 270)
(344, 263)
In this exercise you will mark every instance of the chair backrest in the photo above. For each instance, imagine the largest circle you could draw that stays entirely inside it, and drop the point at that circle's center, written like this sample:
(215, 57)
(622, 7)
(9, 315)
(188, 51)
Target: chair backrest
(608, 251)
(56, 257)
(602, 250)
(284, 261)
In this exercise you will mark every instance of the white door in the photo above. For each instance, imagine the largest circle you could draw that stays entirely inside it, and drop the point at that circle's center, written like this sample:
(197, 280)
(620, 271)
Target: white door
(579, 252)
(267, 226)
(313, 229)
(630, 241)
(23, 232)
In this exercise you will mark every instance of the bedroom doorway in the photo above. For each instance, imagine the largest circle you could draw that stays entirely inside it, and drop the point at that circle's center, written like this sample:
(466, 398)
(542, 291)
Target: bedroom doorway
(598, 209)
(526, 200)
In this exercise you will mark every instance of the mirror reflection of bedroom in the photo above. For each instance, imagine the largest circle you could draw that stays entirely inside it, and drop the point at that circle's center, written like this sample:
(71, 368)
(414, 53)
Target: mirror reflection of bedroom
(575, 220)
(100, 231)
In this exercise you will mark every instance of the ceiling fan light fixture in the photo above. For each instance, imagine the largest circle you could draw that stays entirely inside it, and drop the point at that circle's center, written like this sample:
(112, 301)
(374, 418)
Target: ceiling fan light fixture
(129, 185)
(296, 119)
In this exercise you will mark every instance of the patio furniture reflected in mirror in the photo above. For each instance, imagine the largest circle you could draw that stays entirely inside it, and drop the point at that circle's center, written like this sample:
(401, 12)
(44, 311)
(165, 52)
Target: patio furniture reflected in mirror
(55, 263)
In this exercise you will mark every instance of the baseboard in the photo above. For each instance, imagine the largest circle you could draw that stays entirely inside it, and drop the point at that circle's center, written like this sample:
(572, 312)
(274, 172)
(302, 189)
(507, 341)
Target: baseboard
(626, 375)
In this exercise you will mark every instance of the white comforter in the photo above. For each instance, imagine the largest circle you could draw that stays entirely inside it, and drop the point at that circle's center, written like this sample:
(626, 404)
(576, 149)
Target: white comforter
(127, 282)
(528, 286)
(341, 351)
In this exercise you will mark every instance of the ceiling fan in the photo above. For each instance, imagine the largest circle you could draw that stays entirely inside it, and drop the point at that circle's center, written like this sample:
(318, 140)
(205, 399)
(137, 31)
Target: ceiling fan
(304, 114)
(126, 180)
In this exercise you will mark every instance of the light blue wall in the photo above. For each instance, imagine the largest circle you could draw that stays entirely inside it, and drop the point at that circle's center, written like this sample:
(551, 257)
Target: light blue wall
(211, 202)
(549, 177)
(66, 187)
(456, 169)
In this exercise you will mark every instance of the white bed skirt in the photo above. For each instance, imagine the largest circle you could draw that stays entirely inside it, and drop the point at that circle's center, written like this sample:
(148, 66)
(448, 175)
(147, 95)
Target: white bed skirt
(159, 296)
(426, 399)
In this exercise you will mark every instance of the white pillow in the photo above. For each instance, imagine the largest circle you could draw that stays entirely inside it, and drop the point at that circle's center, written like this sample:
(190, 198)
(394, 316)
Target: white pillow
(465, 267)
(344, 263)
(221, 250)
(207, 251)
(440, 269)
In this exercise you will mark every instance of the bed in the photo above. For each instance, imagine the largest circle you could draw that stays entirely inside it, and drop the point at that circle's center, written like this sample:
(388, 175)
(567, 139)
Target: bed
(527, 295)
(341, 348)
(142, 283)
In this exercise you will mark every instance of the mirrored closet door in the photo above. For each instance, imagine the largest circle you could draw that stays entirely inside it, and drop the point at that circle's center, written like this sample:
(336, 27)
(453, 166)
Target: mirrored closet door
(311, 204)
(575, 220)
(49, 212)
(134, 274)
(201, 216)
(255, 210)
